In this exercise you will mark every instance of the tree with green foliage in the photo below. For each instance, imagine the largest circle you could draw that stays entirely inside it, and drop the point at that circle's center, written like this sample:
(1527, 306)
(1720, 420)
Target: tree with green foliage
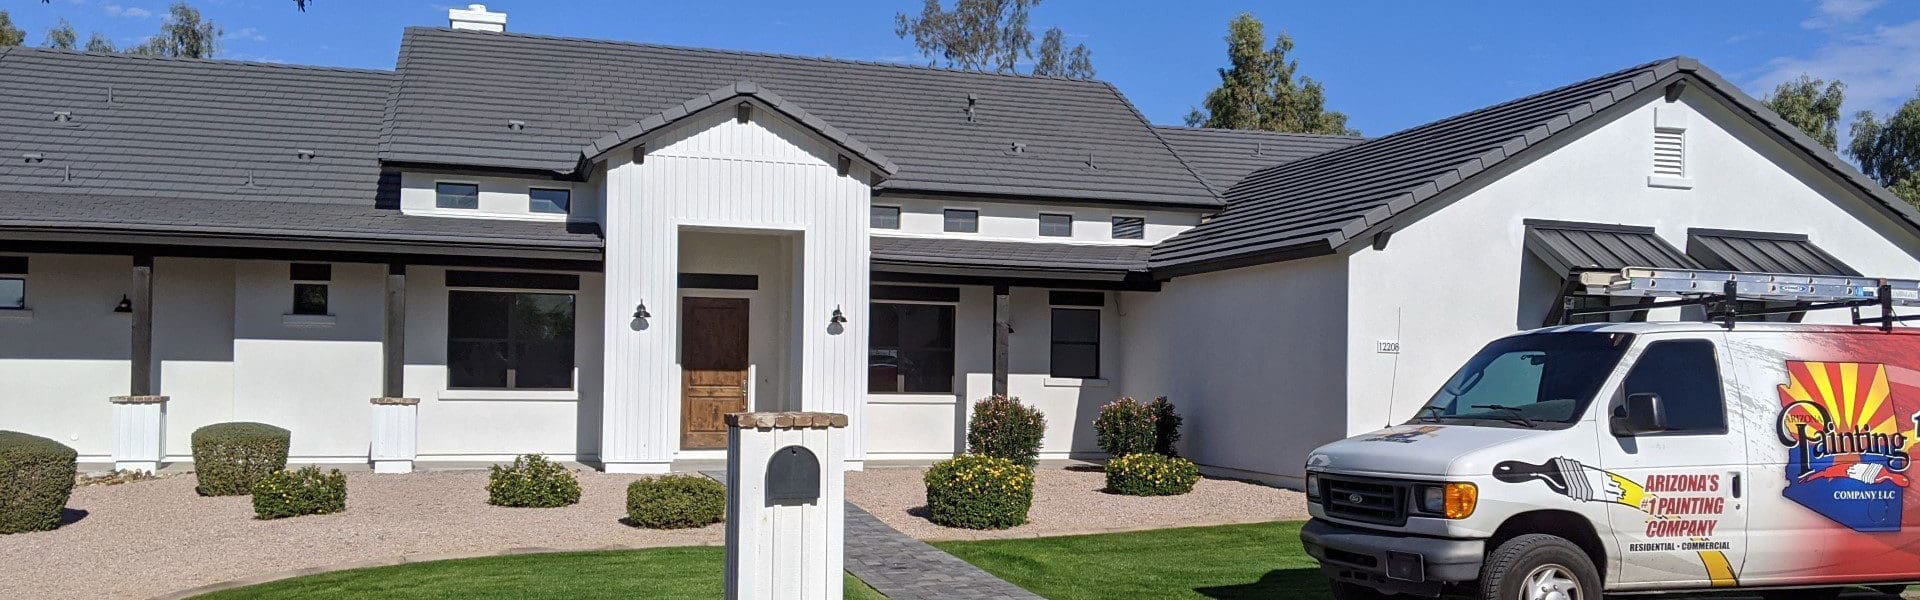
(1813, 105)
(100, 43)
(10, 34)
(185, 34)
(1889, 151)
(991, 36)
(62, 36)
(1259, 88)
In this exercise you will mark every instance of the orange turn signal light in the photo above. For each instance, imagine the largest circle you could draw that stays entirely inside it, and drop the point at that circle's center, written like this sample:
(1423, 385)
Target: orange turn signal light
(1462, 498)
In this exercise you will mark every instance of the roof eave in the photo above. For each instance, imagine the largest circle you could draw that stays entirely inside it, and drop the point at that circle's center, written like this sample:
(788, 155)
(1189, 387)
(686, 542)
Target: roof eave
(720, 97)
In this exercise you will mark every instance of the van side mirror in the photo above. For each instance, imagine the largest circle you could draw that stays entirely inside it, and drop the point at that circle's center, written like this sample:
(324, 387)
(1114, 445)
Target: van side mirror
(1642, 414)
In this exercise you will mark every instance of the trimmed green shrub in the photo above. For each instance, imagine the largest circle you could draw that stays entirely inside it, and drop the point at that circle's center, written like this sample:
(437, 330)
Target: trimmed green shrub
(1166, 426)
(307, 491)
(979, 492)
(1148, 474)
(228, 458)
(1125, 426)
(532, 482)
(676, 502)
(36, 478)
(1004, 427)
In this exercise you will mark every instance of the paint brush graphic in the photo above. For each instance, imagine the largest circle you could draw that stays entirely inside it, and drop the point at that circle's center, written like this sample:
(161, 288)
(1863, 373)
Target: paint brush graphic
(1850, 467)
(1572, 479)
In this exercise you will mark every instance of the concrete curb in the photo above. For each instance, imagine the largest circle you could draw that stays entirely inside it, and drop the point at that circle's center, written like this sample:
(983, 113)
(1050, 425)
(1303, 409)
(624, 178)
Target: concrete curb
(388, 562)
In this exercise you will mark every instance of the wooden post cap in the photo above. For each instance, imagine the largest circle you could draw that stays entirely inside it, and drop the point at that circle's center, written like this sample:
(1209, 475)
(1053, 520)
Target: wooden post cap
(785, 420)
(384, 401)
(138, 399)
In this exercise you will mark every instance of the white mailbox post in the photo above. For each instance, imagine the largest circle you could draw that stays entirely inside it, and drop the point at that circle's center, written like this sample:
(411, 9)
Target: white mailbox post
(786, 511)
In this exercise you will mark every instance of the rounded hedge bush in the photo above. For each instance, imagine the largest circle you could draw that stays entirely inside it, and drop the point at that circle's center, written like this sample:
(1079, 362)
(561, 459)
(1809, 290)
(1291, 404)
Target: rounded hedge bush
(36, 478)
(1004, 427)
(979, 492)
(1125, 426)
(307, 491)
(228, 458)
(1148, 474)
(532, 482)
(676, 502)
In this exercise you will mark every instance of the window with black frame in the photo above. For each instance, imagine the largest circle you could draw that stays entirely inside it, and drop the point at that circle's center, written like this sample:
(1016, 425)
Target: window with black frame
(910, 348)
(510, 340)
(1076, 343)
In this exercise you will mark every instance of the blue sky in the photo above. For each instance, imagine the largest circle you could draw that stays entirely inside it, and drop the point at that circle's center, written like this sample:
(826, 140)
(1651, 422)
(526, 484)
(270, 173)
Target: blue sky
(1388, 64)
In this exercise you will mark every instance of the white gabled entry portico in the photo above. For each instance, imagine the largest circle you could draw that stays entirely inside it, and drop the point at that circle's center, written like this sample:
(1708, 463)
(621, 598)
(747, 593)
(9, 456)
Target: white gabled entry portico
(726, 181)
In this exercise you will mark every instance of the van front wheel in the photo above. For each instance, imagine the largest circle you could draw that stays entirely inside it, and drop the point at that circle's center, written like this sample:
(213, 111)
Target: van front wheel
(1539, 567)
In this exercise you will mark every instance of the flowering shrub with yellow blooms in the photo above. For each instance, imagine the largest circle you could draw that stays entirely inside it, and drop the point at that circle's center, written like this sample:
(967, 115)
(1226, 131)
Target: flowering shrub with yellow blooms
(532, 482)
(1148, 474)
(974, 491)
(304, 492)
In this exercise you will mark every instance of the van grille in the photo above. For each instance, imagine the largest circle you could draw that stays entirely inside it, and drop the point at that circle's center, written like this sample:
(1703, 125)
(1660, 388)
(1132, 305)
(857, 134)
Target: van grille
(1366, 500)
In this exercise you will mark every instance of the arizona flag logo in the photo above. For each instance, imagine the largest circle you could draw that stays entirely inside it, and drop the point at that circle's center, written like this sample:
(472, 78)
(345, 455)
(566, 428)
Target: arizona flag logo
(1847, 448)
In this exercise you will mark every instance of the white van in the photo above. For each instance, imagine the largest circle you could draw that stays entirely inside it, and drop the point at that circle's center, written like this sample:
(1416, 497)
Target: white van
(1565, 462)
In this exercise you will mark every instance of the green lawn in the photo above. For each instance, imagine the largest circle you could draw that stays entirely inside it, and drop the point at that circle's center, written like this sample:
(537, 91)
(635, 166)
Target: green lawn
(655, 573)
(1234, 561)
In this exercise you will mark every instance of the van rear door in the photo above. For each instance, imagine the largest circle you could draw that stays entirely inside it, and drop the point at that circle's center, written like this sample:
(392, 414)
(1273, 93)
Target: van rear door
(1678, 509)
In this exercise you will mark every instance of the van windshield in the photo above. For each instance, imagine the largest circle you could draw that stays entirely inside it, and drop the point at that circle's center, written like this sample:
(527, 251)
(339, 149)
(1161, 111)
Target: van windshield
(1528, 380)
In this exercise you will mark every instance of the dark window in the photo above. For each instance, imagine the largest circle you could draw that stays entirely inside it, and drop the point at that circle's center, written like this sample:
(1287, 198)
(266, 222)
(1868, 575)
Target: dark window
(456, 195)
(1052, 225)
(1129, 228)
(885, 217)
(13, 265)
(310, 287)
(1687, 378)
(1549, 377)
(513, 279)
(546, 200)
(962, 221)
(1076, 343)
(13, 293)
(911, 348)
(916, 293)
(509, 340)
(309, 298)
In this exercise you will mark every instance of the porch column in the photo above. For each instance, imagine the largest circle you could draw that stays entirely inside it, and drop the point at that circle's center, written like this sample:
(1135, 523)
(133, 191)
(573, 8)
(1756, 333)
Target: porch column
(1002, 313)
(140, 417)
(395, 417)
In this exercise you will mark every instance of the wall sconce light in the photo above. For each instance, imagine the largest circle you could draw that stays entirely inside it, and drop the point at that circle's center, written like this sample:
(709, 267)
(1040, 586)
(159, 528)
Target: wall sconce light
(125, 305)
(640, 312)
(838, 317)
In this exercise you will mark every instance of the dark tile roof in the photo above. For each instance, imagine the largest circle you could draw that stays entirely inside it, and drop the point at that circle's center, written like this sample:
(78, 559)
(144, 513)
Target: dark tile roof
(1573, 247)
(185, 128)
(1763, 252)
(1225, 156)
(1316, 205)
(458, 90)
(124, 218)
(725, 93)
(948, 255)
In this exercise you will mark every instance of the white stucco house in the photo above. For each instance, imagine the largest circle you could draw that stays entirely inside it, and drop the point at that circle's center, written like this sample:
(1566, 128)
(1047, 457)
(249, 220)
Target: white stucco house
(593, 249)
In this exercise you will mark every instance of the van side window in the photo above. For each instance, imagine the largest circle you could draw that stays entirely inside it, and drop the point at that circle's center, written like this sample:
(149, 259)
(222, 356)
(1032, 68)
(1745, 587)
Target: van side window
(1687, 378)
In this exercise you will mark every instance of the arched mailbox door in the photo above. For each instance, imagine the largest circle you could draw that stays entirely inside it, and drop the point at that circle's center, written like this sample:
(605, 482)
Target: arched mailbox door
(793, 476)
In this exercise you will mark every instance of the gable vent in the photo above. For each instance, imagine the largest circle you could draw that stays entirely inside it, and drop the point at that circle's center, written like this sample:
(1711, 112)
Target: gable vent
(1669, 152)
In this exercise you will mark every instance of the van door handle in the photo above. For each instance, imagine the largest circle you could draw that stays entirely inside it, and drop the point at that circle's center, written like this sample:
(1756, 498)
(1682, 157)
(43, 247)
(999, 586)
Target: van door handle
(1736, 485)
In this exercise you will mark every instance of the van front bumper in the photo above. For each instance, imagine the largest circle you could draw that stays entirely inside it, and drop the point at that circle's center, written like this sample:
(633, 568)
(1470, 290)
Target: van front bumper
(1389, 562)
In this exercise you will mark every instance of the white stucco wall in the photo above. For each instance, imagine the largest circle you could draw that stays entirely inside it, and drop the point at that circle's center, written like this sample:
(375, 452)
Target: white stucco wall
(1455, 279)
(926, 216)
(500, 197)
(1249, 357)
(62, 363)
(710, 172)
(922, 426)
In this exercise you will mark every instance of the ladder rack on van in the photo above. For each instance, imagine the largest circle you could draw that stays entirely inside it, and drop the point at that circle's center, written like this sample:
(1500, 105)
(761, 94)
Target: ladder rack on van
(1721, 292)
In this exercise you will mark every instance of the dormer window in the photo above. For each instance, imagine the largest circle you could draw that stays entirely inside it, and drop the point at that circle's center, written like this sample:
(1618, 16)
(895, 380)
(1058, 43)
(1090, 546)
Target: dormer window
(464, 196)
(548, 200)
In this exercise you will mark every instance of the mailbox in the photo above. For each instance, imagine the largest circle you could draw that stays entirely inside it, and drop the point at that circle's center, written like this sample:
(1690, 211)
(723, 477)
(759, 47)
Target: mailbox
(793, 476)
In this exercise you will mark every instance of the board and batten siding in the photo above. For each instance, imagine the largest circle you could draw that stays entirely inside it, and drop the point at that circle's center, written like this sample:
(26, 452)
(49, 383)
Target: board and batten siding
(711, 172)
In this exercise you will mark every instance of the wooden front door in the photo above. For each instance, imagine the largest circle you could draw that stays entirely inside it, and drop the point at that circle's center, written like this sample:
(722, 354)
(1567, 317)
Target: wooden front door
(713, 366)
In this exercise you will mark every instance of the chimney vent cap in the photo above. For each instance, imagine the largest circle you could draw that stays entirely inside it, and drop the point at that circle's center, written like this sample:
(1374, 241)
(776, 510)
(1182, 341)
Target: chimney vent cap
(476, 17)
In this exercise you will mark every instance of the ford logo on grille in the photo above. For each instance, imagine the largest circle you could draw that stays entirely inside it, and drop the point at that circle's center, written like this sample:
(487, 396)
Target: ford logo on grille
(1356, 498)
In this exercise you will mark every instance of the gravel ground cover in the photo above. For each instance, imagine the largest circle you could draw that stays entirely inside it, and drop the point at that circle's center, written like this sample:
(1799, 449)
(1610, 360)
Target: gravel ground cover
(150, 538)
(1070, 500)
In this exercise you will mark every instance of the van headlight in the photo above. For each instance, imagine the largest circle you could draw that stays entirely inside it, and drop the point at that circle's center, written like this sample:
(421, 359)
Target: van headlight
(1451, 500)
(1313, 487)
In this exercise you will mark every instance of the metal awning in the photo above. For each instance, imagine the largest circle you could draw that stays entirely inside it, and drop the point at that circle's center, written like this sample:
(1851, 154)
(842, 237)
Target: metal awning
(1009, 260)
(1571, 247)
(1762, 252)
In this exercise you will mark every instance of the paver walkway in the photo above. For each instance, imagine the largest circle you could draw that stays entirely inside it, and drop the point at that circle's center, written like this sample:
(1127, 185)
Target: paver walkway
(904, 568)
